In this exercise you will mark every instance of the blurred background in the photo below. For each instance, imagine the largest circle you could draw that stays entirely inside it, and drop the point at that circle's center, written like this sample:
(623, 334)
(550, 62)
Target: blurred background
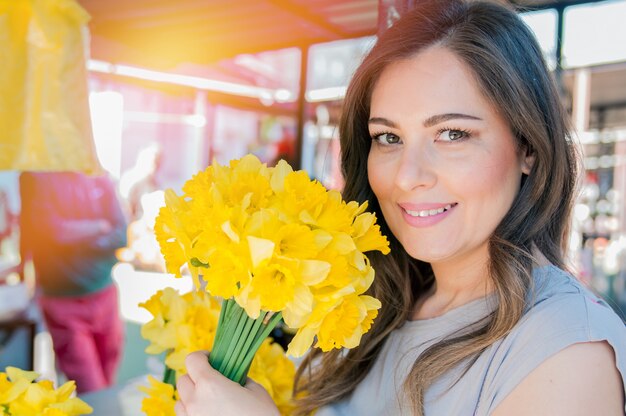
(175, 85)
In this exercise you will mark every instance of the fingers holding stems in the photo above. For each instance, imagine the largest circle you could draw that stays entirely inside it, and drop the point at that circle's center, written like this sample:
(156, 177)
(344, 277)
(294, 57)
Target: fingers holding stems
(204, 391)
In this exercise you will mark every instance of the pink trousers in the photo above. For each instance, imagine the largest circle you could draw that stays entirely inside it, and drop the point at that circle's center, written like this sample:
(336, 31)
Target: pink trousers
(87, 335)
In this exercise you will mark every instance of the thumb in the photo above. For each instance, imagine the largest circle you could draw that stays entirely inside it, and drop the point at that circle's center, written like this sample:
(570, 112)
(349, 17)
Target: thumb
(255, 387)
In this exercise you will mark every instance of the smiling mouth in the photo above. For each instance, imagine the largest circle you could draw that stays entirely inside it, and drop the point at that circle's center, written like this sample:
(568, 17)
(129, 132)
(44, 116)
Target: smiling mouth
(430, 212)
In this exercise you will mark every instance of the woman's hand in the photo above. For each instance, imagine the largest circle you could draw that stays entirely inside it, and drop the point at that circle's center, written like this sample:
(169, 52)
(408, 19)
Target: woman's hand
(203, 391)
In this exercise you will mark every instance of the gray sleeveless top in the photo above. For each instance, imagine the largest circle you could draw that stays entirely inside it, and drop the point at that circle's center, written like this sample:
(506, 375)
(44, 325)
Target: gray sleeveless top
(563, 313)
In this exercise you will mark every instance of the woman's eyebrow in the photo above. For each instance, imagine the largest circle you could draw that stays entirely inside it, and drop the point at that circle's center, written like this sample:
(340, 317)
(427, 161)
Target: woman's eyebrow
(429, 122)
(383, 121)
(440, 118)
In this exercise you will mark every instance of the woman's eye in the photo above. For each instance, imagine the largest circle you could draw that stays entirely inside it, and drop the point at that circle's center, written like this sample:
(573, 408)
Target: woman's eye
(453, 135)
(386, 138)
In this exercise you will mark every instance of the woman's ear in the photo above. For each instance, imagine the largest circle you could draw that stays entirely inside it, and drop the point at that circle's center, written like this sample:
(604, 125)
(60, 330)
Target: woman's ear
(528, 161)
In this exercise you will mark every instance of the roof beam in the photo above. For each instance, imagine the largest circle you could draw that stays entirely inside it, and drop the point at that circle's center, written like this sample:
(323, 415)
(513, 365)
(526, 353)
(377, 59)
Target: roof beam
(299, 11)
(524, 5)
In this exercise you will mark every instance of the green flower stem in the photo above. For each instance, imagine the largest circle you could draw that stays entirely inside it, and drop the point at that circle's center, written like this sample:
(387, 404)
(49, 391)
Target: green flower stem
(233, 342)
(241, 374)
(237, 339)
(243, 335)
(225, 313)
(169, 376)
(233, 336)
(224, 335)
(254, 333)
(221, 351)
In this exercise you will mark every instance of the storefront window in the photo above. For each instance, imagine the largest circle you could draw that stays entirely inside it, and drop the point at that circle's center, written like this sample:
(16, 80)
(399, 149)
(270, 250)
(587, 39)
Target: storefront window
(594, 34)
(543, 25)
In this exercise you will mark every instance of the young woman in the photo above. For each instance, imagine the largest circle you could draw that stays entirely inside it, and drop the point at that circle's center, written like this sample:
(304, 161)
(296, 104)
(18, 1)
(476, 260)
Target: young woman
(470, 166)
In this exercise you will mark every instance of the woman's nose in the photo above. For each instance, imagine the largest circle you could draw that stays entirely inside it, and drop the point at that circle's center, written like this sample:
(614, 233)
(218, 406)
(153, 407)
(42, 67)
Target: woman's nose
(416, 169)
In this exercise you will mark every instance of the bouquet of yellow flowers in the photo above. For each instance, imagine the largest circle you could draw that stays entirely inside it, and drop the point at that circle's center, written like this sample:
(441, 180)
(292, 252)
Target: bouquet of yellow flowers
(274, 245)
(184, 323)
(21, 395)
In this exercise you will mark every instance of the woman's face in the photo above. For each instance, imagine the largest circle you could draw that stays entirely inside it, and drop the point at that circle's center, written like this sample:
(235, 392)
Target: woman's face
(443, 163)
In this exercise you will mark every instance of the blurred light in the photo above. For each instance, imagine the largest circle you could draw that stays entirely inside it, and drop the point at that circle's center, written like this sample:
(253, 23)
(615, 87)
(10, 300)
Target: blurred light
(266, 98)
(581, 212)
(107, 116)
(255, 64)
(591, 163)
(283, 95)
(184, 80)
(100, 66)
(196, 120)
(606, 161)
(603, 206)
(612, 195)
(136, 286)
(591, 191)
(581, 99)
(326, 94)
(588, 137)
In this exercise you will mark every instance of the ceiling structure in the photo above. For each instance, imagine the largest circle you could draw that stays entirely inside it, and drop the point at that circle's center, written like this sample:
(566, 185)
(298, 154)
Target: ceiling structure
(174, 36)
(161, 34)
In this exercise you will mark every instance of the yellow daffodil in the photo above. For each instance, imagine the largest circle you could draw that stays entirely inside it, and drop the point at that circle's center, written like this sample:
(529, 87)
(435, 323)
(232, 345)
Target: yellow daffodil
(226, 275)
(160, 400)
(336, 324)
(20, 395)
(276, 373)
(168, 310)
(18, 384)
(367, 234)
(174, 241)
(181, 324)
(296, 241)
(199, 183)
(276, 244)
(302, 198)
(335, 214)
(343, 326)
(278, 175)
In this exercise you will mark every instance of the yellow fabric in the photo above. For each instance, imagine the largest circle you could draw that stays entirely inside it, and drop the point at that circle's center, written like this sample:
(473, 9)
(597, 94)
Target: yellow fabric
(44, 100)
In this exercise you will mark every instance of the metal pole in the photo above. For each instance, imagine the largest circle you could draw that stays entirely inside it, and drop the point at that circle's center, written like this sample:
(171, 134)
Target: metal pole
(560, 28)
(304, 66)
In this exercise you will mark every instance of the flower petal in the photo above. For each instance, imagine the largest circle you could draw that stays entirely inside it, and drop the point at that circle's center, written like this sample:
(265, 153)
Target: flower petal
(260, 250)
(301, 342)
(313, 272)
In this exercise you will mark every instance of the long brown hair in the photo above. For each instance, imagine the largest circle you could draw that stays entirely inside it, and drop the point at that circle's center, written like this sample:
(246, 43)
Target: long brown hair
(509, 68)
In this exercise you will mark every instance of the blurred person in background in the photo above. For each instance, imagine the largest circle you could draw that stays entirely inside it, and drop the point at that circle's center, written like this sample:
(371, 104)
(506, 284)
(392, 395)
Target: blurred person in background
(141, 179)
(71, 225)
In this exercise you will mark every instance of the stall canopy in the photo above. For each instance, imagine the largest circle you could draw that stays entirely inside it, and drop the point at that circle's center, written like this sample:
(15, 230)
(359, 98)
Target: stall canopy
(161, 34)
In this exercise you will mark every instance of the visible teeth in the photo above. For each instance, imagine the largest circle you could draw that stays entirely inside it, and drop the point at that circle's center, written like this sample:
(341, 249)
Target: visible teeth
(428, 212)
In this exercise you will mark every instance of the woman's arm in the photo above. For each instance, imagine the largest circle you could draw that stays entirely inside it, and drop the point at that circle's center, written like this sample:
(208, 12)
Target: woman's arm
(581, 380)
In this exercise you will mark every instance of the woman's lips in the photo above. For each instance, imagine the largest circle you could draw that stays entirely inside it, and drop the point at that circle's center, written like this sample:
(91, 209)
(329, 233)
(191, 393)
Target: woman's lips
(425, 215)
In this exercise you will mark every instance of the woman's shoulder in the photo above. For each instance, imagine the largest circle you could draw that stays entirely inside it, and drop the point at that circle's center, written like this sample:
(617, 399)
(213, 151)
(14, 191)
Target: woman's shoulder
(561, 312)
(560, 303)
